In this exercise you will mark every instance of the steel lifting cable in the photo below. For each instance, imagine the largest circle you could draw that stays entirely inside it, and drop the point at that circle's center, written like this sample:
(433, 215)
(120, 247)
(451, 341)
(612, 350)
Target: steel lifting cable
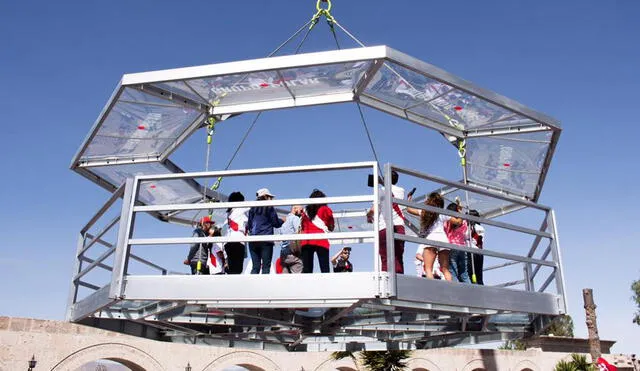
(366, 129)
(216, 185)
(289, 39)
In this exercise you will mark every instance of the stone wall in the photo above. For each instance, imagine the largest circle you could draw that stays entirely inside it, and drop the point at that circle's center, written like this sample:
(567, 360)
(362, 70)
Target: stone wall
(61, 345)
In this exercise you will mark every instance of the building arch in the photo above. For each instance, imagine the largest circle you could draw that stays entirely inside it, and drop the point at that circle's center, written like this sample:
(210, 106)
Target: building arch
(475, 365)
(344, 364)
(130, 356)
(526, 365)
(421, 364)
(249, 360)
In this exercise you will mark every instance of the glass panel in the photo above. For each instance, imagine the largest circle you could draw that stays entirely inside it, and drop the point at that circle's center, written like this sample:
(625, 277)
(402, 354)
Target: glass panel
(112, 147)
(352, 224)
(241, 88)
(137, 96)
(435, 100)
(510, 162)
(325, 79)
(139, 129)
(156, 192)
(481, 203)
(180, 87)
(404, 88)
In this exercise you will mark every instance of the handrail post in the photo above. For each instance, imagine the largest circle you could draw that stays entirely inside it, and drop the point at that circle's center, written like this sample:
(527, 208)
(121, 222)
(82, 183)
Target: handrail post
(557, 257)
(77, 267)
(528, 280)
(127, 217)
(388, 221)
(376, 236)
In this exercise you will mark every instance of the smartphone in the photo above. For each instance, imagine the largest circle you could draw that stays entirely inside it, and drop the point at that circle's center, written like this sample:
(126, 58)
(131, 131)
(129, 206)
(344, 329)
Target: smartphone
(411, 192)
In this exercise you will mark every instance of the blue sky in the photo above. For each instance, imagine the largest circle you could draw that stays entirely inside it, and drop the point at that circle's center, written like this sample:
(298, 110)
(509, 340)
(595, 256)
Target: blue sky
(574, 60)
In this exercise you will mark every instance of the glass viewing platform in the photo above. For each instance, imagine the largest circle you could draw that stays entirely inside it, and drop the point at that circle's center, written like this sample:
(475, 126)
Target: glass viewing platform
(126, 277)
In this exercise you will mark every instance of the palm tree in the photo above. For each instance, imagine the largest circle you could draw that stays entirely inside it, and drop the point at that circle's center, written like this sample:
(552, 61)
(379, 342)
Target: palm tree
(344, 354)
(390, 360)
(578, 363)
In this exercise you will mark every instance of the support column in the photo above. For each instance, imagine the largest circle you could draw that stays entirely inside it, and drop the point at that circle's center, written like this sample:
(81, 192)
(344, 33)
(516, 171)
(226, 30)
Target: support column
(592, 325)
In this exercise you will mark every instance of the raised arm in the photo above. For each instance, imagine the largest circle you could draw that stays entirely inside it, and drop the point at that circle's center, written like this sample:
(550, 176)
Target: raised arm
(411, 210)
(334, 258)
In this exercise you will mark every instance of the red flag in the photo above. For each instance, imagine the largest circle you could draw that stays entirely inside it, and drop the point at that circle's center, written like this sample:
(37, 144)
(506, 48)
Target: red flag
(603, 365)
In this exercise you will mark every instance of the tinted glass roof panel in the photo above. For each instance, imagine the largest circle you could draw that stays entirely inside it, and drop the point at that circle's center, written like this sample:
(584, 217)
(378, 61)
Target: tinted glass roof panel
(404, 88)
(435, 100)
(240, 88)
(508, 162)
(139, 125)
(181, 88)
(324, 79)
(151, 192)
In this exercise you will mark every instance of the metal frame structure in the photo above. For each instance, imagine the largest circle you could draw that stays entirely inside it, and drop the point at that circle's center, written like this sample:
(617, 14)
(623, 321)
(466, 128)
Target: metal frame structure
(363, 310)
(380, 61)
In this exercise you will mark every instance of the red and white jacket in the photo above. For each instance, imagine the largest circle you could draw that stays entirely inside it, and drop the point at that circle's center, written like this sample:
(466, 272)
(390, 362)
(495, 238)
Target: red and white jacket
(325, 215)
(237, 221)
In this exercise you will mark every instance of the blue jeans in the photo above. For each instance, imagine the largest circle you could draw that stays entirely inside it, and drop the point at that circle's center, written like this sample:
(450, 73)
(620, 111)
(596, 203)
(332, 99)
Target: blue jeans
(261, 255)
(458, 266)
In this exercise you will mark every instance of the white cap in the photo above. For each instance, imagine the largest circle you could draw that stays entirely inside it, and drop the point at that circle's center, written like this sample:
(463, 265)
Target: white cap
(264, 192)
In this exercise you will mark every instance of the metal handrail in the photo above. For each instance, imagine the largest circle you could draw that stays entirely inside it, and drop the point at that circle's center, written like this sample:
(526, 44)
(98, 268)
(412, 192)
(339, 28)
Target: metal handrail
(114, 196)
(278, 202)
(469, 188)
(472, 218)
(495, 254)
(264, 171)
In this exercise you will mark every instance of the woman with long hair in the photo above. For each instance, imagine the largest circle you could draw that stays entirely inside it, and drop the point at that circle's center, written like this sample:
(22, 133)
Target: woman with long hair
(317, 218)
(432, 228)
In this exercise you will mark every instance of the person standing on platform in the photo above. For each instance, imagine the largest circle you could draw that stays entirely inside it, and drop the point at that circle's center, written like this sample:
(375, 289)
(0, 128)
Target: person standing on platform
(290, 256)
(456, 230)
(236, 227)
(217, 262)
(432, 228)
(199, 252)
(398, 225)
(261, 222)
(318, 218)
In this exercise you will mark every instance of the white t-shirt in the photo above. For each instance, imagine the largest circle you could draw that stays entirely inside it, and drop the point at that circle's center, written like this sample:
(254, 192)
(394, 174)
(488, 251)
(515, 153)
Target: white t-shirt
(215, 265)
(237, 221)
(436, 231)
(398, 192)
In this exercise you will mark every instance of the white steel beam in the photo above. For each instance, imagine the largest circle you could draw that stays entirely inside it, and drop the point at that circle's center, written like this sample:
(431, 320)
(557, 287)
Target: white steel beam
(255, 65)
(318, 99)
(509, 130)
